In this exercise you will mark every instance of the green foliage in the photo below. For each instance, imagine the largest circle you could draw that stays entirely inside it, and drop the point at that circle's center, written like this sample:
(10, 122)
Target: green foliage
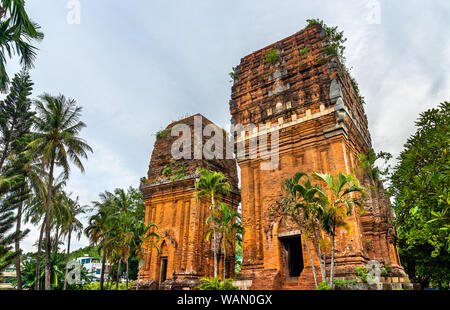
(172, 174)
(232, 74)
(335, 37)
(57, 273)
(323, 286)
(17, 33)
(304, 51)
(341, 283)
(376, 174)
(118, 228)
(356, 89)
(322, 61)
(217, 285)
(369, 244)
(386, 271)
(272, 57)
(420, 186)
(167, 172)
(162, 133)
(95, 286)
(362, 273)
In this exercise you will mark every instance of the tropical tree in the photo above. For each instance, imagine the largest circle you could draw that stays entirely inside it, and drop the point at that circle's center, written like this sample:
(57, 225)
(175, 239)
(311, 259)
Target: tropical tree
(214, 185)
(228, 224)
(57, 128)
(145, 236)
(17, 32)
(303, 203)
(35, 211)
(420, 187)
(344, 193)
(73, 224)
(98, 230)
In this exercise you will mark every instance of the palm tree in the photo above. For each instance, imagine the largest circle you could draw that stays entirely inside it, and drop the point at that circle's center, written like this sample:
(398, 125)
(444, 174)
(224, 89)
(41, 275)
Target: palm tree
(73, 224)
(301, 203)
(35, 211)
(16, 33)
(57, 128)
(340, 204)
(228, 224)
(98, 228)
(212, 184)
(145, 235)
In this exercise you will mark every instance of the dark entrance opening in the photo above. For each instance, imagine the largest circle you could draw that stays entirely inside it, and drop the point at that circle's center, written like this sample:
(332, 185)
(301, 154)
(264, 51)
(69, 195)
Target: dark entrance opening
(163, 276)
(293, 255)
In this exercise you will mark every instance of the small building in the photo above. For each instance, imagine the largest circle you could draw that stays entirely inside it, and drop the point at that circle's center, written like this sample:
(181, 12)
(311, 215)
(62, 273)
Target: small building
(93, 265)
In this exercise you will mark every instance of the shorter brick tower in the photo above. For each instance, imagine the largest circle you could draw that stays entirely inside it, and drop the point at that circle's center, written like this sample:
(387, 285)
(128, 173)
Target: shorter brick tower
(170, 203)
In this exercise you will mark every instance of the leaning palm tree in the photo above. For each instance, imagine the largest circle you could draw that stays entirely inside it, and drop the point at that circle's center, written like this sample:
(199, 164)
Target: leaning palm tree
(345, 193)
(16, 33)
(57, 142)
(228, 225)
(214, 185)
(73, 224)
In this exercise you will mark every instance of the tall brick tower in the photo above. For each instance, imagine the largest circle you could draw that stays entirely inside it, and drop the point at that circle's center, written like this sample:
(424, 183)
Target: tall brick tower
(322, 128)
(169, 198)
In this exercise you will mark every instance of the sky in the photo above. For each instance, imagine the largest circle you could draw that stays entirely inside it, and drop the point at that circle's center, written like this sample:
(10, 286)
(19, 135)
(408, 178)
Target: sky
(135, 66)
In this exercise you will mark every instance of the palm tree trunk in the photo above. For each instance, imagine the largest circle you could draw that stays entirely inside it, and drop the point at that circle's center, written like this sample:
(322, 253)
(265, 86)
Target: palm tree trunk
(127, 273)
(47, 224)
(102, 274)
(67, 256)
(38, 258)
(213, 205)
(17, 244)
(312, 262)
(332, 262)
(118, 275)
(139, 278)
(108, 281)
(224, 259)
(323, 271)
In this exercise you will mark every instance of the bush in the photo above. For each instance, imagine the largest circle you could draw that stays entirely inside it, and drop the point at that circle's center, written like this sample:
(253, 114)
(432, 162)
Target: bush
(323, 286)
(217, 285)
(271, 57)
(362, 273)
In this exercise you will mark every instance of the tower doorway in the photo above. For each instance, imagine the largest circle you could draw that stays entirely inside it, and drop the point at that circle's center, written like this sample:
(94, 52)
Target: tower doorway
(293, 255)
(163, 273)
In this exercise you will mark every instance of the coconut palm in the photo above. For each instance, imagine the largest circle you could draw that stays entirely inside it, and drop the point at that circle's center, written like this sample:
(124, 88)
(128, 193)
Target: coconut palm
(57, 142)
(98, 229)
(345, 193)
(72, 225)
(17, 32)
(35, 211)
(214, 185)
(228, 224)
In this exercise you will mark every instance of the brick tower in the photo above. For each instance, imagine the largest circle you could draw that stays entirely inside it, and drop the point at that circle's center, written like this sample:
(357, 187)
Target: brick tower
(322, 128)
(169, 198)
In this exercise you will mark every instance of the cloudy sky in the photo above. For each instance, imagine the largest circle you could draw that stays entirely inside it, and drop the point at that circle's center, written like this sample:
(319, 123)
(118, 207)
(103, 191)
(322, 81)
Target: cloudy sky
(135, 65)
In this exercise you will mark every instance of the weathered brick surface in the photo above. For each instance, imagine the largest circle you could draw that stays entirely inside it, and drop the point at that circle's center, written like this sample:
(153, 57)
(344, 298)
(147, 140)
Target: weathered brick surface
(181, 219)
(322, 129)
